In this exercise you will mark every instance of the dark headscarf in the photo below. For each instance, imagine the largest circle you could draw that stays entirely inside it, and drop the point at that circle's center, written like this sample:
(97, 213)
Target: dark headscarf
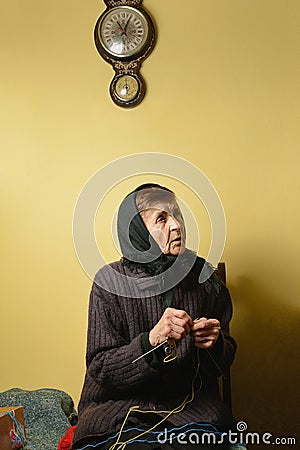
(141, 252)
(138, 247)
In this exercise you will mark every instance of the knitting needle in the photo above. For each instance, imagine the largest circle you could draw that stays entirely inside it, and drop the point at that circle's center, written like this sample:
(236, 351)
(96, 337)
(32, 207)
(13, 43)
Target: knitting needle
(150, 351)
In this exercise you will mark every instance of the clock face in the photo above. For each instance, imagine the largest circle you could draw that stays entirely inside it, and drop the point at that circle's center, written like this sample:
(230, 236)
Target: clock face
(123, 31)
(126, 87)
(127, 90)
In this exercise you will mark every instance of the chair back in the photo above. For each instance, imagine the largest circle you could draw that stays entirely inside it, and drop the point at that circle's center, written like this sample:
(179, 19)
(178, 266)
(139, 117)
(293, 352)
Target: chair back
(225, 385)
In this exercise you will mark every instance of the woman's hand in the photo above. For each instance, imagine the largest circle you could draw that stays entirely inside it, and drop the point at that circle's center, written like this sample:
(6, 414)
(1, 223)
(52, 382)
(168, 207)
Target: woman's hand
(205, 332)
(174, 323)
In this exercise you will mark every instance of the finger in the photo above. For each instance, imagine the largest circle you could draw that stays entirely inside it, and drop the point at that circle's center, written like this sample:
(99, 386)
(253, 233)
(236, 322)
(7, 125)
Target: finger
(199, 323)
(212, 323)
(202, 340)
(174, 323)
(206, 345)
(180, 314)
(181, 323)
(206, 331)
(177, 336)
(169, 329)
(206, 334)
(179, 330)
(180, 320)
(206, 324)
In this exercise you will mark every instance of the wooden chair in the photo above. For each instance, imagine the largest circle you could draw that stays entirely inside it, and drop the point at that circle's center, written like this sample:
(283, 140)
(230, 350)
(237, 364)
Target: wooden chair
(225, 381)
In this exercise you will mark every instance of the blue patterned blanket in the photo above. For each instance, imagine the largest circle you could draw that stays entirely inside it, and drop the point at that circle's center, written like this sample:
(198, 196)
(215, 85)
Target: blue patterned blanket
(48, 415)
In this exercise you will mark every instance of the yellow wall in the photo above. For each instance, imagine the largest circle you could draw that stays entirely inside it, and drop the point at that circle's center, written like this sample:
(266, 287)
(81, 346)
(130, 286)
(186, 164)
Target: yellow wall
(223, 93)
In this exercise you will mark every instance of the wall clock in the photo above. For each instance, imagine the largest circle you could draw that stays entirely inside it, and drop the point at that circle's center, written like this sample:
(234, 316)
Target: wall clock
(124, 36)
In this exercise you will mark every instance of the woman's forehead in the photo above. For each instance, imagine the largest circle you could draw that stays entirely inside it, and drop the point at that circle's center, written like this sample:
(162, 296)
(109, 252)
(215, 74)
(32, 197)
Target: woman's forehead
(169, 207)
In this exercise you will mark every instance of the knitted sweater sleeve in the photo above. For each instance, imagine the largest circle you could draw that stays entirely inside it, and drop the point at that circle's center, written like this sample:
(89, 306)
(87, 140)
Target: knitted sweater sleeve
(110, 354)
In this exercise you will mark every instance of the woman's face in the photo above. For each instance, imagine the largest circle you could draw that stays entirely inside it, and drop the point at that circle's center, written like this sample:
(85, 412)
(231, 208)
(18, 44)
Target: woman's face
(165, 224)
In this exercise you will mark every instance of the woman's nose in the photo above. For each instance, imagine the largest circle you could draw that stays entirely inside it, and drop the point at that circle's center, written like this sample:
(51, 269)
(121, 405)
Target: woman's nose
(173, 224)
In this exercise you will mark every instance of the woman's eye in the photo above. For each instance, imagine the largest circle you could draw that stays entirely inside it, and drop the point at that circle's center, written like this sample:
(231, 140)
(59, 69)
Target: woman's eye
(160, 218)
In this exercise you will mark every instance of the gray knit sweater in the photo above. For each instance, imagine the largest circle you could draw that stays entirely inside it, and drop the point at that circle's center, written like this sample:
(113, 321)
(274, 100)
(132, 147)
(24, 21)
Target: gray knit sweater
(118, 330)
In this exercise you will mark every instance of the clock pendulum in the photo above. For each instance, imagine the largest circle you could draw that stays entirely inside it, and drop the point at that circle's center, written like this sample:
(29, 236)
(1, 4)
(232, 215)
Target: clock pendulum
(124, 37)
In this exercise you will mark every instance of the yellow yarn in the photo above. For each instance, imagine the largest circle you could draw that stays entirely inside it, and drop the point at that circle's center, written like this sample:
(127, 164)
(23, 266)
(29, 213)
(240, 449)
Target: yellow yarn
(118, 445)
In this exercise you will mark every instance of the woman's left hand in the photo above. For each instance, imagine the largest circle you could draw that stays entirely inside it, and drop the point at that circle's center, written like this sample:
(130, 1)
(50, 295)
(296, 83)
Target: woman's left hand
(205, 332)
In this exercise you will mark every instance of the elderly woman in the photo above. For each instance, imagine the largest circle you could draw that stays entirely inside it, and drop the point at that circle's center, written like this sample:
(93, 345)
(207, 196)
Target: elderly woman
(155, 346)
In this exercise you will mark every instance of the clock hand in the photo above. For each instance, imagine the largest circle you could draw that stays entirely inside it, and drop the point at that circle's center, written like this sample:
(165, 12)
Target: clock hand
(123, 30)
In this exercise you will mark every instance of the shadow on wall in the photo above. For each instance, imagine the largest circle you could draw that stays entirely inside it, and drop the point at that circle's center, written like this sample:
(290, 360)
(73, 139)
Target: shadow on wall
(265, 374)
